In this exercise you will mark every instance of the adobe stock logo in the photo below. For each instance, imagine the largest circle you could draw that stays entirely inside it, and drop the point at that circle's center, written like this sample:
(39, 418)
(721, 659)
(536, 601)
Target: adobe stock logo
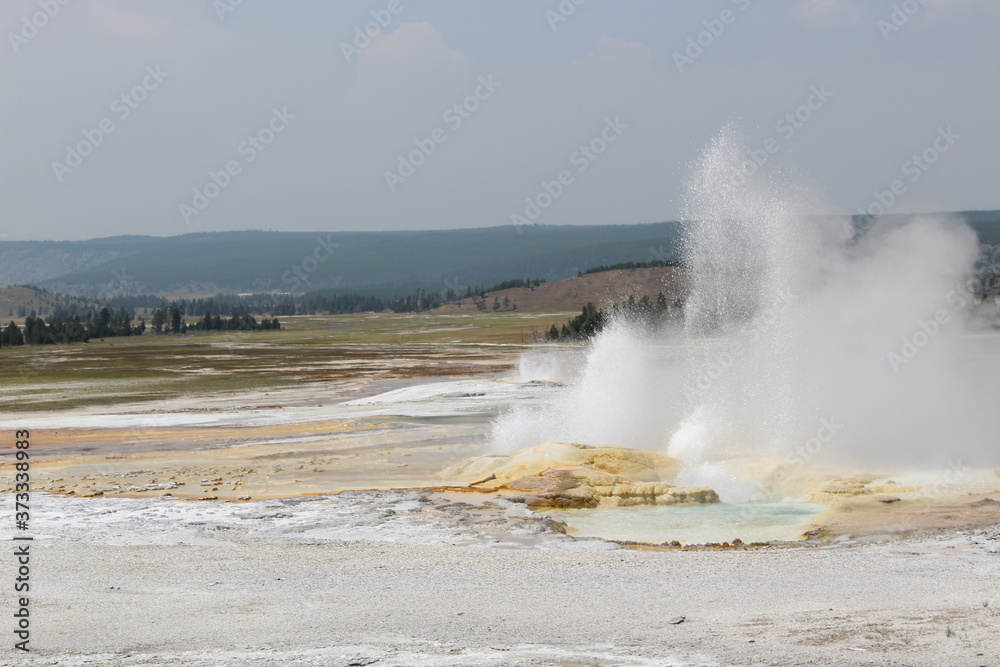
(31, 25)
(455, 116)
(122, 107)
(564, 10)
(453, 290)
(363, 36)
(957, 299)
(582, 158)
(900, 16)
(787, 126)
(223, 7)
(249, 149)
(714, 28)
(915, 168)
(300, 273)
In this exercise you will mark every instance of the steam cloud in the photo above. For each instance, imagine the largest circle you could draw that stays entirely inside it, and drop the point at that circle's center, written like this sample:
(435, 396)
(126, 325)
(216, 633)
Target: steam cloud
(801, 340)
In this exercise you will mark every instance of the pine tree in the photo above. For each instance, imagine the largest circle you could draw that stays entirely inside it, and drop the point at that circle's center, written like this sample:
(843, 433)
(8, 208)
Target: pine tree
(12, 335)
(159, 321)
(176, 317)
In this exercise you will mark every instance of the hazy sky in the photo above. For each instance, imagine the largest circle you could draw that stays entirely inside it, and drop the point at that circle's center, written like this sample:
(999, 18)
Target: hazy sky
(114, 112)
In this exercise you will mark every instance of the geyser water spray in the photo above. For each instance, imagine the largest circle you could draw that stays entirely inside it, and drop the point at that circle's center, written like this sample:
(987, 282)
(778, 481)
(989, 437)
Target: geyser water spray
(804, 344)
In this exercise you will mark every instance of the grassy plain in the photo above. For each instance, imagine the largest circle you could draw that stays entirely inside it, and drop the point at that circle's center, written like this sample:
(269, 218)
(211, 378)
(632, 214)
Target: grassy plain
(312, 362)
(307, 349)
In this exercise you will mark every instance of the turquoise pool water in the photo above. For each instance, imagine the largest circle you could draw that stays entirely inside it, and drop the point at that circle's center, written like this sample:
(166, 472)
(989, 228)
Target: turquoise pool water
(693, 524)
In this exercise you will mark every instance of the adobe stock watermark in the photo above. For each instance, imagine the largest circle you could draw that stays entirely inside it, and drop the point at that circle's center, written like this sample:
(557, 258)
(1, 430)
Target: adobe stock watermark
(122, 283)
(659, 254)
(584, 156)
(720, 362)
(562, 12)
(914, 169)
(900, 16)
(955, 472)
(300, 273)
(248, 149)
(827, 432)
(945, 483)
(121, 108)
(927, 329)
(699, 43)
(453, 290)
(363, 35)
(31, 25)
(787, 127)
(223, 7)
(454, 117)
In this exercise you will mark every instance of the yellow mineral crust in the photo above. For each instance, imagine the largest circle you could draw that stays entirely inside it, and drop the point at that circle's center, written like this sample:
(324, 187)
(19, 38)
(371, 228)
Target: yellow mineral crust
(558, 474)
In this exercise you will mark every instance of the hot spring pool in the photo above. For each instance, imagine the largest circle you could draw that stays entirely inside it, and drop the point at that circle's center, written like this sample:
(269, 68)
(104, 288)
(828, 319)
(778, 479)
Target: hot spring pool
(692, 524)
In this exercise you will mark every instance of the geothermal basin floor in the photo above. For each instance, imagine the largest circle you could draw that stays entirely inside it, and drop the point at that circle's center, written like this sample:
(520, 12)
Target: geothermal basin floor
(417, 578)
(398, 578)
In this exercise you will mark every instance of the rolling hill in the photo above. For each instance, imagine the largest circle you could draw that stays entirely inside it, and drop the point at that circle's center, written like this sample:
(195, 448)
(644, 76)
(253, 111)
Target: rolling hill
(602, 289)
(370, 262)
(16, 301)
(389, 263)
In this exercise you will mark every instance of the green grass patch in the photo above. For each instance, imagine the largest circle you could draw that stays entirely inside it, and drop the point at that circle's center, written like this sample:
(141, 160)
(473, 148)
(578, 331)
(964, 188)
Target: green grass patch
(307, 349)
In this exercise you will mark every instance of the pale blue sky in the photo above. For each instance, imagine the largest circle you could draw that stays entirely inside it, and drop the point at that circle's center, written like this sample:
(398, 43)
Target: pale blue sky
(222, 79)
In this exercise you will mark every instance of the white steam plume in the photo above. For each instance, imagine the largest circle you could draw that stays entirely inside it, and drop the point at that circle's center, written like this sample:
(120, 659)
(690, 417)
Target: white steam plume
(798, 338)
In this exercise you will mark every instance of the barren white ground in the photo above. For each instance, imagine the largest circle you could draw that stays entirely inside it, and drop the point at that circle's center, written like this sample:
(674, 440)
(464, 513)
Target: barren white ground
(396, 578)
(391, 578)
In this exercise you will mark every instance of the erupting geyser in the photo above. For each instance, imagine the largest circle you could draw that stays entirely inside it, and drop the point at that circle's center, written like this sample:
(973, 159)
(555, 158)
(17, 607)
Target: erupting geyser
(805, 341)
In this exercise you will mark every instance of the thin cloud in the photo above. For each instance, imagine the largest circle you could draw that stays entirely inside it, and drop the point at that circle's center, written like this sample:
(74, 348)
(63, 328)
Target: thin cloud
(412, 46)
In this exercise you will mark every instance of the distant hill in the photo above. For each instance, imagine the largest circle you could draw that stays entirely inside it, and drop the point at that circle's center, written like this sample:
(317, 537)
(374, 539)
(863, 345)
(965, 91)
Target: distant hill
(601, 289)
(369, 262)
(17, 301)
(379, 263)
